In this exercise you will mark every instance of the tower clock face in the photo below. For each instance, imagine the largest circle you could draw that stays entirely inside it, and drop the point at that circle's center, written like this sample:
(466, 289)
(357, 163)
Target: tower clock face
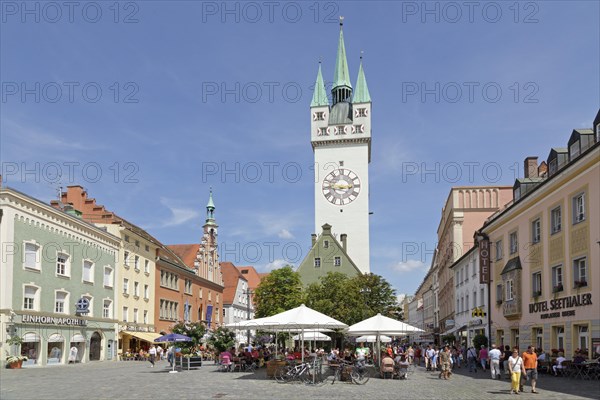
(341, 187)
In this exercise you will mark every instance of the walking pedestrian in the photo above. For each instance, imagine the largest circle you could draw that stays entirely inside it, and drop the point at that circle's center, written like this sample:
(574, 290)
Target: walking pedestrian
(152, 355)
(472, 359)
(495, 356)
(444, 360)
(159, 352)
(515, 364)
(483, 356)
(507, 354)
(530, 362)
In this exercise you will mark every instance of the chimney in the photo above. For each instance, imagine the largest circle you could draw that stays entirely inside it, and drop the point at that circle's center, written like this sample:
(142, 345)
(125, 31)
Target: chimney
(343, 238)
(313, 239)
(531, 167)
(543, 170)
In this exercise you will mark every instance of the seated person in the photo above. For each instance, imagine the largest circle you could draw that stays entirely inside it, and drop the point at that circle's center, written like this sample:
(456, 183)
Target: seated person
(402, 366)
(387, 365)
(561, 358)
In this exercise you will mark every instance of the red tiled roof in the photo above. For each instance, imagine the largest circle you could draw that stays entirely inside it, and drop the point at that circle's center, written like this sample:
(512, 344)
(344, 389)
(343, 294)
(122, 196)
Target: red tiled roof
(187, 252)
(231, 276)
(251, 275)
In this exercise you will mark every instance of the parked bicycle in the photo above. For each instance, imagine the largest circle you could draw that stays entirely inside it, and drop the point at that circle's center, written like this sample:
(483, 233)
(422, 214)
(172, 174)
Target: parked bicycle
(359, 372)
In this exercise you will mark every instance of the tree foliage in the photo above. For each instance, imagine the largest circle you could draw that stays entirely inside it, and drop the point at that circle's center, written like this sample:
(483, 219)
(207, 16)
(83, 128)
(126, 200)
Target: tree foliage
(480, 340)
(222, 339)
(279, 291)
(194, 330)
(352, 300)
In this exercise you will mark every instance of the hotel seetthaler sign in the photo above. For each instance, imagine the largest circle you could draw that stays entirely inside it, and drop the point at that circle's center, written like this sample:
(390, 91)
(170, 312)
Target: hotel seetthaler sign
(559, 304)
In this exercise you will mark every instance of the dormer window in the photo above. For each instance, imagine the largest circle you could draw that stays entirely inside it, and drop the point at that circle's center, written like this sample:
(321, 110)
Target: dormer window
(574, 150)
(517, 193)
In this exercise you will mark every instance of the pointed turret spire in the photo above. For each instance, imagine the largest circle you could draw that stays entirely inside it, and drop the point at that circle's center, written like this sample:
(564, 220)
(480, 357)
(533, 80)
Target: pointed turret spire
(319, 95)
(210, 209)
(342, 88)
(361, 94)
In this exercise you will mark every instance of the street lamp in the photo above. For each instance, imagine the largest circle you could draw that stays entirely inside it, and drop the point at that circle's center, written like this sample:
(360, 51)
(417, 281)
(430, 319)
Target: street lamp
(365, 293)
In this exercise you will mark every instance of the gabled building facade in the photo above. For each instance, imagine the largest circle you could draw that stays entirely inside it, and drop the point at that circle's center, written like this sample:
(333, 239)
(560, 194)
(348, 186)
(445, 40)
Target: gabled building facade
(326, 255)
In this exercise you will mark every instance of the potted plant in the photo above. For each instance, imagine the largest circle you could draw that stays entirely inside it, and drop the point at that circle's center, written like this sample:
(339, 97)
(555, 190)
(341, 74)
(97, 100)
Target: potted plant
(579, 284)
(14, 361)
(557, 288)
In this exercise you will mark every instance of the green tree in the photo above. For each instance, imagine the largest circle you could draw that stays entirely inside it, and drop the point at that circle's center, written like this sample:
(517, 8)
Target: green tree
(279, 291)
(480, 340)
(194, 330)
(335, 296)
(377, 295)
(222, 339)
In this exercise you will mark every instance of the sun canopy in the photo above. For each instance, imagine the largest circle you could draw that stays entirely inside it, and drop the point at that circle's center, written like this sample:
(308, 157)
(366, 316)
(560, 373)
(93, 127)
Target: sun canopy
(173, 337)
(312, 335)
(381, 325)
(373, 339)
(296, 319)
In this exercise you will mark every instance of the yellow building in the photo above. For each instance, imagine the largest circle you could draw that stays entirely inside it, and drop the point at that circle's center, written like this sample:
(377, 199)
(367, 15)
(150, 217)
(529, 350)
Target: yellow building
(545, 245)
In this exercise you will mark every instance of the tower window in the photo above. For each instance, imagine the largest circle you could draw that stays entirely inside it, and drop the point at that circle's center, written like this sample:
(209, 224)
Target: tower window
(358, 129)
(322, 132)
(362, 112)
(340, 130)
(320, 116)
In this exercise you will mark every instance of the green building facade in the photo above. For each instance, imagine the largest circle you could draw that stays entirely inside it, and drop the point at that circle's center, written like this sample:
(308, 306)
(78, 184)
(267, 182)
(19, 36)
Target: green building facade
(58, 283)
(327, 254)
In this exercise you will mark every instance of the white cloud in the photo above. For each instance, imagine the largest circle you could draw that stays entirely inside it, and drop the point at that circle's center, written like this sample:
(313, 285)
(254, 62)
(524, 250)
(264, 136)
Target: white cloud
(276, 264)
(179, 215)
(285, 234)
(409, 266)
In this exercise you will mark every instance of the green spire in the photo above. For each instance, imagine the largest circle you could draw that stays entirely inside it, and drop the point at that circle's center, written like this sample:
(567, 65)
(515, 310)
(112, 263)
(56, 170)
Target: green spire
(210, 208)
(341, 77)
(319, 95)
(361, 93)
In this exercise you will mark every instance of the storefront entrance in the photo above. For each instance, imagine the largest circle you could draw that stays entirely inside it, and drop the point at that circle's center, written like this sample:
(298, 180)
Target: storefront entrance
(95, 342)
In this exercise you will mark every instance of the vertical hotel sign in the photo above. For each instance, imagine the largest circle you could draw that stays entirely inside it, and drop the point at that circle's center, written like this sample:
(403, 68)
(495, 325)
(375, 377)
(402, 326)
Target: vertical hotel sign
(484, 260)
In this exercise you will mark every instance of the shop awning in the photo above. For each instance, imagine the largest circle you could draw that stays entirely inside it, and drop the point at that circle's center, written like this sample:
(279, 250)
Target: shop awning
(450, 331)
(31, 337)
(77, 338)
(146, 336)
(56, 337)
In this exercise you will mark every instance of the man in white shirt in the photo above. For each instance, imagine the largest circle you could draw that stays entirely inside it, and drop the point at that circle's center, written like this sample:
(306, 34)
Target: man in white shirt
(559, 362)
(494, 356)
(152, 353)
(429, 354)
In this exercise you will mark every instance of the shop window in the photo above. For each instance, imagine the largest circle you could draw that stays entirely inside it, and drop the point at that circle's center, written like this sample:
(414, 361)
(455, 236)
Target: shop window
(30, 348)
(56, 348)
(538, 334)
(62, 264)
(32, 256)
(583, 338)
(514, 333)
(559, 338)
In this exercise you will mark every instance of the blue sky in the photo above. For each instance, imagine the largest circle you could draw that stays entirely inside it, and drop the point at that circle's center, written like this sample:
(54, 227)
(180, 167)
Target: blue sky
(162, 97)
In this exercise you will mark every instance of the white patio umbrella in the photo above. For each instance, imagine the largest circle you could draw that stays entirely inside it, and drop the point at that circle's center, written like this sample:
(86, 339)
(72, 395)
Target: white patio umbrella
(373, 339)
(380, 325)
(297, 319)
(309, 336)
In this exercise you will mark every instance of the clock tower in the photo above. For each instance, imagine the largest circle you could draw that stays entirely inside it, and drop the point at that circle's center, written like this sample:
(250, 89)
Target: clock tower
(341, 142)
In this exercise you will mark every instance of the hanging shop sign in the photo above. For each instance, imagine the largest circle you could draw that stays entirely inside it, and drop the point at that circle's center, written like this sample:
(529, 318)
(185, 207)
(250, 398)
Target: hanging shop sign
(555, 305)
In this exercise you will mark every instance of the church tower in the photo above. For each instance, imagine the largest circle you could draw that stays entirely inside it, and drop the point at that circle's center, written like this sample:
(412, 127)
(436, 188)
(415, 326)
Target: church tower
(341, 142)
(208, 256)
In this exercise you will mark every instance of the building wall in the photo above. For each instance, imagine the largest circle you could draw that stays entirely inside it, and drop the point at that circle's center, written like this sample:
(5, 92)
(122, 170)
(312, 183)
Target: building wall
(562, 248)
(26, 220)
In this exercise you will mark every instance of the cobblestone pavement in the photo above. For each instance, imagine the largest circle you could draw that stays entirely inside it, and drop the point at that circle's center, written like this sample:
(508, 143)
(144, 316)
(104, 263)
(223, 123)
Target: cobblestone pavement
(133, 380)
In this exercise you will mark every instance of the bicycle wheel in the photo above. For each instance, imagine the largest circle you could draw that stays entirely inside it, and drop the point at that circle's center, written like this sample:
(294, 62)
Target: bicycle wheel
(282, 374)
(360, 376)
